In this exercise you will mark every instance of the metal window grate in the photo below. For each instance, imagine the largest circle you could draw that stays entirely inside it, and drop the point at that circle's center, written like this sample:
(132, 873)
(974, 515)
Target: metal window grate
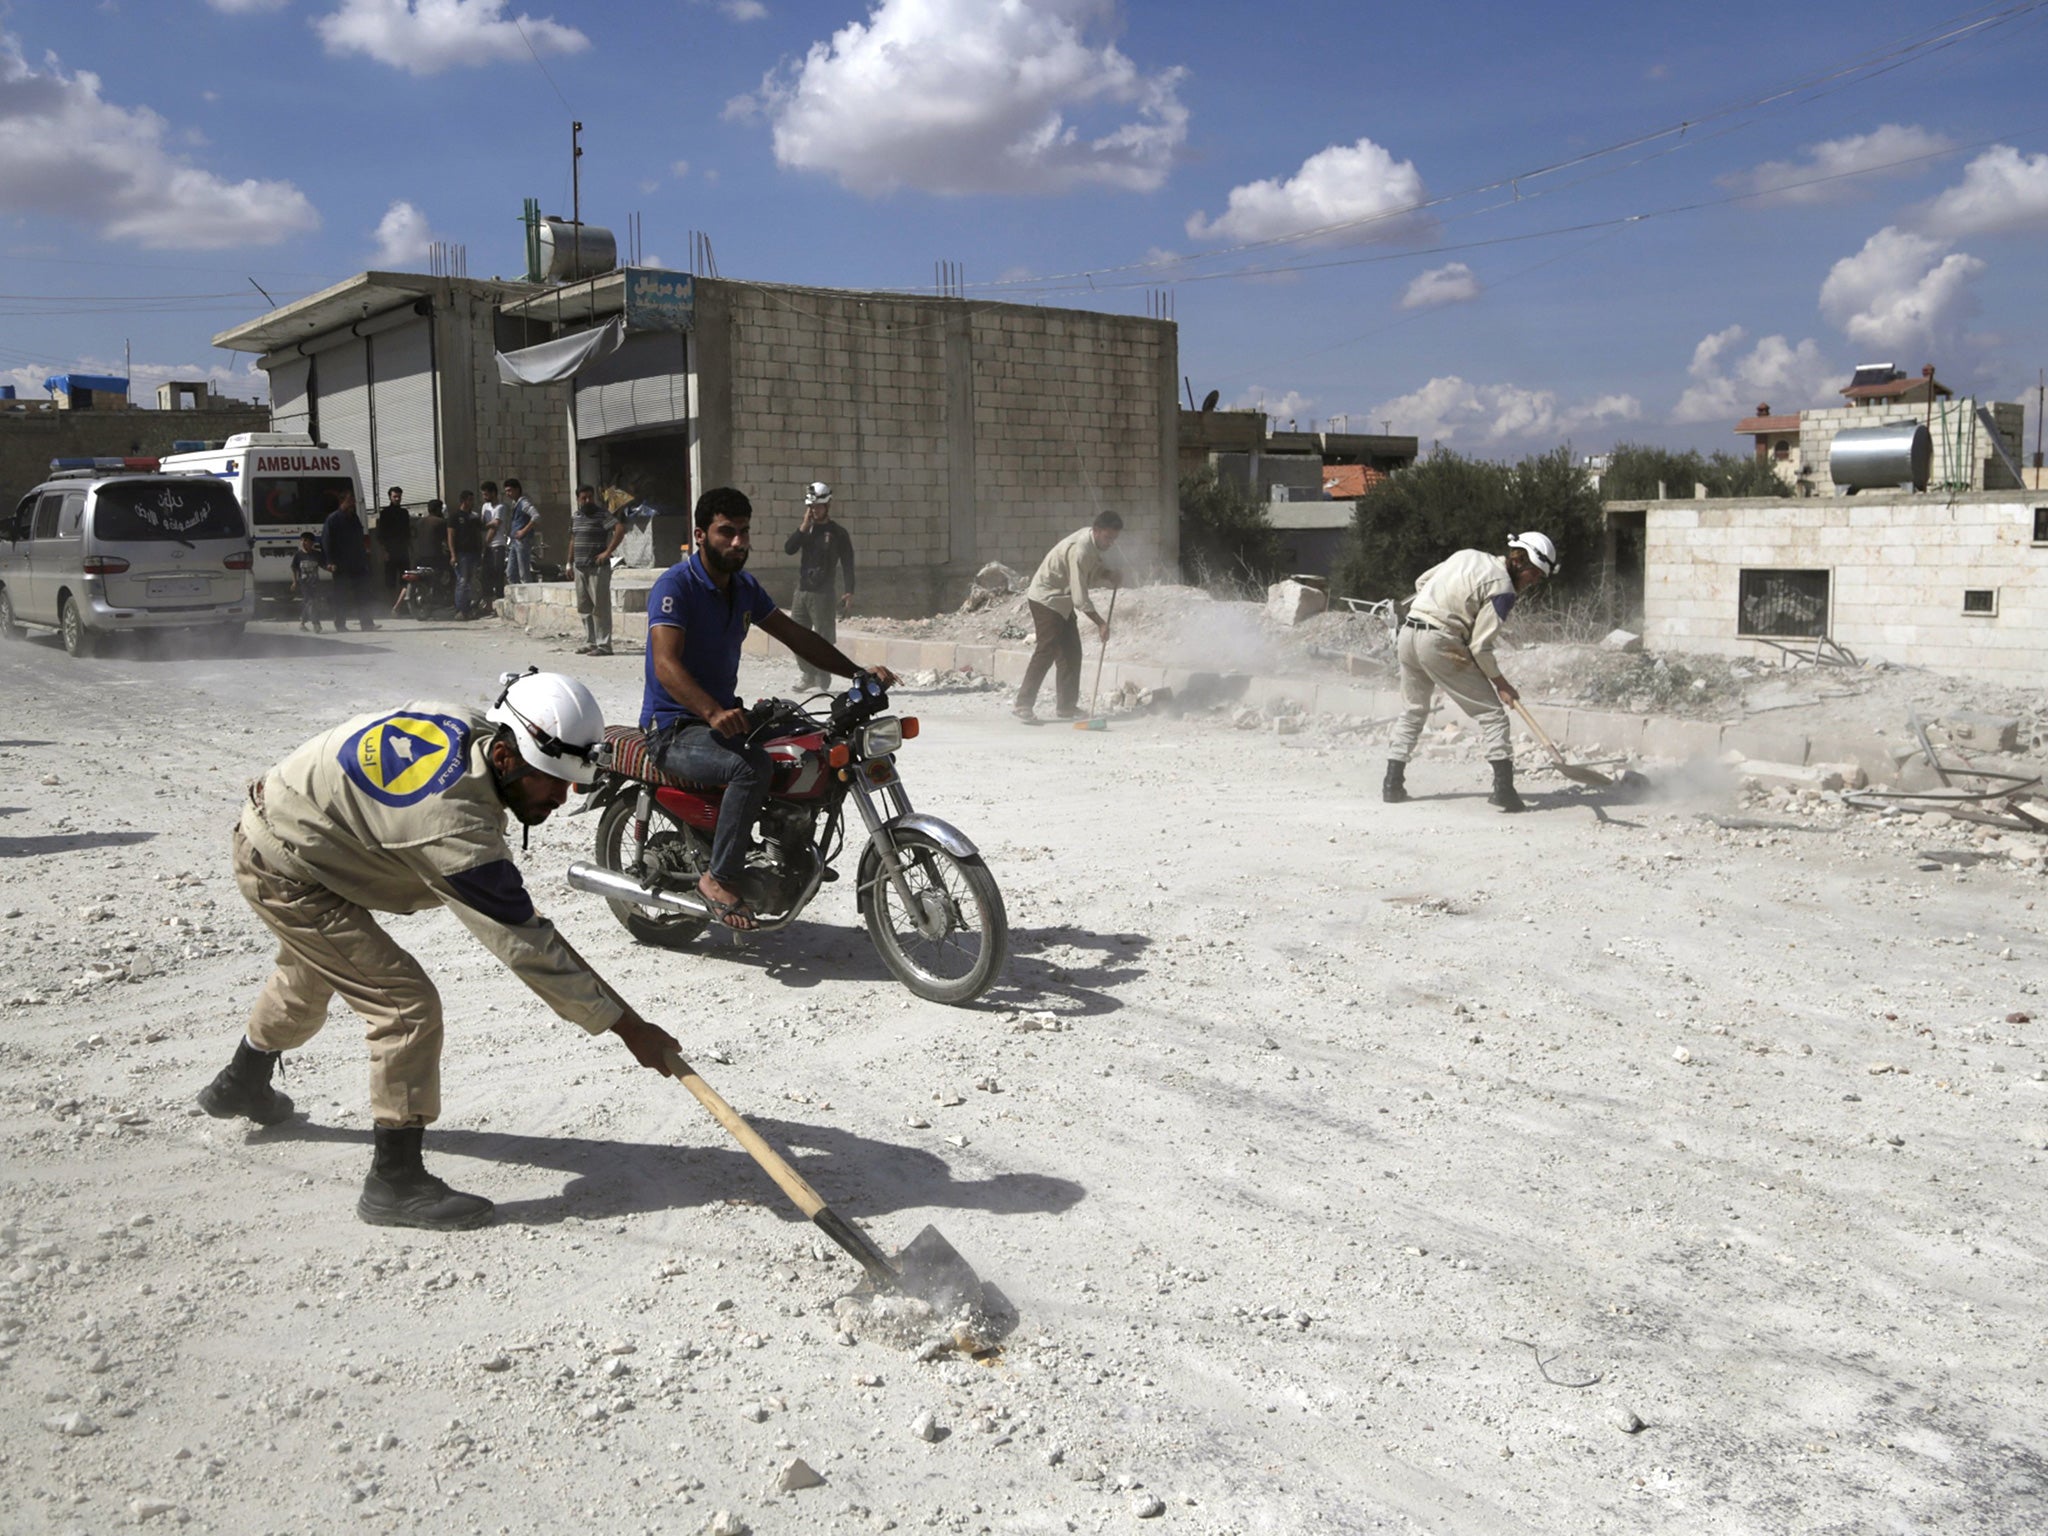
(1785, 605)
(2041, 525)
(1980, 600)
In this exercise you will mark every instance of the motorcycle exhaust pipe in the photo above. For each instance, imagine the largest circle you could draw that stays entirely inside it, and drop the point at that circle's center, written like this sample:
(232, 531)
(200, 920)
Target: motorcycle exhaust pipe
(613, 886)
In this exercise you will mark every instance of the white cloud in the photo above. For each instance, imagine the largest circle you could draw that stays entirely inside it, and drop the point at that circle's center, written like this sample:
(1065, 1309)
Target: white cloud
(679, 169)
(424, 37)
(1900, 293)
(960, 96)
(403, 236)
(1853, 161)
(67, 151)
(1726, 387)
(1453, 284)
(1446, 408)
(1292, 405)
(2001, 190)
(744, 10)
(245, 7)
(1343, 184)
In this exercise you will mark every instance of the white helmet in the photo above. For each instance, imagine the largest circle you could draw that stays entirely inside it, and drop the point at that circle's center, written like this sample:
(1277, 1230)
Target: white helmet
(555, 721)
(817, 493)
(1541, 552)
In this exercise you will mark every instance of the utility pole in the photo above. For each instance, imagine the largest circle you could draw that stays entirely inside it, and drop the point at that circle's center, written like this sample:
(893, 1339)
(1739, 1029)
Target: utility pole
(575, 200)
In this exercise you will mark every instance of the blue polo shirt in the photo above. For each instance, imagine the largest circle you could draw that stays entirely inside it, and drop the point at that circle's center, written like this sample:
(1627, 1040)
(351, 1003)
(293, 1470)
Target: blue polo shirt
(714, 626)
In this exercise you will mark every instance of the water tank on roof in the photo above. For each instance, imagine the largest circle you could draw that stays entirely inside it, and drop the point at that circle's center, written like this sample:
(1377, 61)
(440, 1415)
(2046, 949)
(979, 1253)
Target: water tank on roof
(569, 251)
(1897, 454)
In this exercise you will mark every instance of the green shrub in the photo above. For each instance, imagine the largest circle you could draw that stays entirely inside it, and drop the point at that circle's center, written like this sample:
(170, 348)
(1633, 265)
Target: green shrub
(1226, 538)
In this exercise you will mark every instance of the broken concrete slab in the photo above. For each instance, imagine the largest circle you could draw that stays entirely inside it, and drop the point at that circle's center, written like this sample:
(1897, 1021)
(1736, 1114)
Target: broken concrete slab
(1622, 640)
(1289, 602)
(1981, 732)
(1821, 776)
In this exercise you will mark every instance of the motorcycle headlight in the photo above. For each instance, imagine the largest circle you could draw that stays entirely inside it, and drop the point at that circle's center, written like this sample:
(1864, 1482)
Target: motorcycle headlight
(881, 737)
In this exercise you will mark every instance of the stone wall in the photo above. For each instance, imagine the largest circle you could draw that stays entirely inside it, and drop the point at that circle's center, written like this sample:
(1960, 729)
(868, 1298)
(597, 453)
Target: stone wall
(1977, 466)
(952, 433)
(30, 439)
(502, 429)
(1899, 565)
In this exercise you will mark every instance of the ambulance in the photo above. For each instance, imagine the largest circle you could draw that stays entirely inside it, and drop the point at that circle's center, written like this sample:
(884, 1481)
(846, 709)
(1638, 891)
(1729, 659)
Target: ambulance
(287, 484)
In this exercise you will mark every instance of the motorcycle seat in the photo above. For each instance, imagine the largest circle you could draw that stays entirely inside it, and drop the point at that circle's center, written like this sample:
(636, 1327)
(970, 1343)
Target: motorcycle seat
(632, 760)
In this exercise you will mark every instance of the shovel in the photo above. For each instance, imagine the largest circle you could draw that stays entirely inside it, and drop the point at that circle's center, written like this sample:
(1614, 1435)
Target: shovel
(1095, 722)
(1592, 777)
(930, 1269)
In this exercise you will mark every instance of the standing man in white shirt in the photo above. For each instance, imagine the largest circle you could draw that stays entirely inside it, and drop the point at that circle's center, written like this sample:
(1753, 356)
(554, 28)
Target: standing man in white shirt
(1057, 595)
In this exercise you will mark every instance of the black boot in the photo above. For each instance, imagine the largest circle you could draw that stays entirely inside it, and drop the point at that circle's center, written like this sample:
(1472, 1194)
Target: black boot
(1394, 789)
(243, 1088)
(401, 1193)
(1504, 794)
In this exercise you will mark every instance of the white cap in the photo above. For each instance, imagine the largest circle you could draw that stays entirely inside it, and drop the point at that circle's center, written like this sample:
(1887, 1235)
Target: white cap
(817, 493)
(555, 720)
(1541, 552)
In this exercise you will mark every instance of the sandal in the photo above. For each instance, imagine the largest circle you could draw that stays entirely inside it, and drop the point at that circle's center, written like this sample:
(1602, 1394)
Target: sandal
(736, 915)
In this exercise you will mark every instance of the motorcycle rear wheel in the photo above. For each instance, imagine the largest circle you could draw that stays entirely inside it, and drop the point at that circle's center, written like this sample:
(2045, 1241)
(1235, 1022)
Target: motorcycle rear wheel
(956, 894)
(618, 850)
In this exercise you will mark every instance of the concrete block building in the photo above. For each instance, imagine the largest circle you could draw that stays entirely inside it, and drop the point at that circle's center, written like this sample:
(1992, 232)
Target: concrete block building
(953, 432)
(1957, 583)
(33, 432)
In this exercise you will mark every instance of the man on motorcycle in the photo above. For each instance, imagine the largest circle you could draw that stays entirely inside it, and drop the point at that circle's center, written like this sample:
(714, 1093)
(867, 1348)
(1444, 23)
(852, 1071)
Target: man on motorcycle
(395, 812)
(698, 615)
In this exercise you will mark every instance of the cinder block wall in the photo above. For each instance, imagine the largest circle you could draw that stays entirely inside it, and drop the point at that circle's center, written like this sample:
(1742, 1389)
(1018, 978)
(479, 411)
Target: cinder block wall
(29, 439)
(952, 433)
(517, 430)
(1979, 467)
(1899, 567)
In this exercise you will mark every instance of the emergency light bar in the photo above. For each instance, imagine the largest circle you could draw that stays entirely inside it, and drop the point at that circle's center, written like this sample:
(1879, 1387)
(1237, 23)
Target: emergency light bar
(104, 463)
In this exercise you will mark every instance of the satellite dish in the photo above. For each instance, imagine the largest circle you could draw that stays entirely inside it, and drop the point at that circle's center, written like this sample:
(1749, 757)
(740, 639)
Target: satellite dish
(1209, 400)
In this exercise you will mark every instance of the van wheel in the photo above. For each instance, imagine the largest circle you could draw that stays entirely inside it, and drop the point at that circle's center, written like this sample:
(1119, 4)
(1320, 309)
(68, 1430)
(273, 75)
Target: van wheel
(78, 640)
(10, 627)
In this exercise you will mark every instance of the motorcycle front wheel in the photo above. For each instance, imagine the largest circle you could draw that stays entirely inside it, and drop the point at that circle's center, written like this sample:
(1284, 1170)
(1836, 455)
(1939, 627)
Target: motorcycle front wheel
(949, 942)
(668, 842)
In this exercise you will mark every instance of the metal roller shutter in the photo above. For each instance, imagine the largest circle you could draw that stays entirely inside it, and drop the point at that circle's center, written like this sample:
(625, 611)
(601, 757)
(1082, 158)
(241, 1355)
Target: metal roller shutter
(402, 412)
(643, 384)
(341, 390)
(291, 409)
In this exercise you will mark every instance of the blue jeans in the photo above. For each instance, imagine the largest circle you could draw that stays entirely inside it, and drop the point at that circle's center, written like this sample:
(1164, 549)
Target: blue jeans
(519, 561)
(466, 567)
(691, 750)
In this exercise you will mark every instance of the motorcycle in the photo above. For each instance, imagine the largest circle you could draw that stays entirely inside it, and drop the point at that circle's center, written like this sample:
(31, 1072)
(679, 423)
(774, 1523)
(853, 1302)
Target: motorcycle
(931, 906)
(425, 590)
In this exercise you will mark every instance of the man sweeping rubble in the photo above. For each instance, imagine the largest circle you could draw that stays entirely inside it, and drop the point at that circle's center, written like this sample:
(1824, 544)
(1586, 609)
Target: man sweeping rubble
(1447, 642)
(398, 812)
(1056, 598)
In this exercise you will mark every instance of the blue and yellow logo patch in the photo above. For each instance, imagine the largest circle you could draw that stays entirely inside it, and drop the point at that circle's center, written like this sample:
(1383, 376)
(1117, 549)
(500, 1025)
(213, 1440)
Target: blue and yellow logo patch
(402, 759)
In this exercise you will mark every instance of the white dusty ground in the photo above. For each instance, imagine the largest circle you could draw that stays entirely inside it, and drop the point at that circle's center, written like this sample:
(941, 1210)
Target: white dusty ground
(1404, 1169)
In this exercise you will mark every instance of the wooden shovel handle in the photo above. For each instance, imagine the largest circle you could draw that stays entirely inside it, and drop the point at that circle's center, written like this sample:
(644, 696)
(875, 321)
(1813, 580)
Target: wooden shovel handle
(1541, 735)
(787, 1179)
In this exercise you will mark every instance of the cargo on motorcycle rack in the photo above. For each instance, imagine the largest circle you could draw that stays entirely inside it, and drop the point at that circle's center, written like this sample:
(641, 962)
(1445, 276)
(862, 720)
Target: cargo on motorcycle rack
(930, 904)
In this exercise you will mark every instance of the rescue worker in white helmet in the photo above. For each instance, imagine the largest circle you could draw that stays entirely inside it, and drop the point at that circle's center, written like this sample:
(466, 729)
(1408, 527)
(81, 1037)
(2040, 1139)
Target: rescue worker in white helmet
(1447, 642)
(398, 812)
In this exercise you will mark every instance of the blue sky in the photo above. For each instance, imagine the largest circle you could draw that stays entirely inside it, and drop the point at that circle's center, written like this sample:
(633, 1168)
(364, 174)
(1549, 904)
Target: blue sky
(1358, 214)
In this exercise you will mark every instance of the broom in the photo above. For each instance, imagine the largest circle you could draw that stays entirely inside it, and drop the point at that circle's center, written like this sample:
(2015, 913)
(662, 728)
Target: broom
(1095, 722)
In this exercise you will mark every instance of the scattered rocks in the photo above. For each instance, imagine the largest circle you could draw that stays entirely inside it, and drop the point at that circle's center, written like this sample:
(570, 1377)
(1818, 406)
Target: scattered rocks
(1626, 1421)
(798, 1474)
(497, 1363)
(927, 1428)
(150, 1509)
(74, 1424)
(726, 1523)
(1148, 1506)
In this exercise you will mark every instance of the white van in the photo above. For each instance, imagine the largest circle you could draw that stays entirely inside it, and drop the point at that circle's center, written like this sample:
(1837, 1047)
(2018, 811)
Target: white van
(93, 552)
(286, 483)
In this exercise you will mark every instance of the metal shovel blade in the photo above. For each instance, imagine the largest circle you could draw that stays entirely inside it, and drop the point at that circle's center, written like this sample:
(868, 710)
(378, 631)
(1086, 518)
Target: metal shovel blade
(931, 1269)
(1591, 777)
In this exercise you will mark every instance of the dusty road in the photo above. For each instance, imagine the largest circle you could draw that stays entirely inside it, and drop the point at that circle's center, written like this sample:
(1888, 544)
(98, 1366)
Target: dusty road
(1403, 1169)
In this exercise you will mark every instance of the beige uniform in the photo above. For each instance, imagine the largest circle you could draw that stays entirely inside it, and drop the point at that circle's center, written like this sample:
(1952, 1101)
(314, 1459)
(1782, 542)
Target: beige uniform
(392, 812)
(1447, 642)
(1066, 573)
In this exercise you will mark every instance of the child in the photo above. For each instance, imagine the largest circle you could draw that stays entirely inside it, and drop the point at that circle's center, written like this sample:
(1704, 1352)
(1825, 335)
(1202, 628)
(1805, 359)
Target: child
(309, 575)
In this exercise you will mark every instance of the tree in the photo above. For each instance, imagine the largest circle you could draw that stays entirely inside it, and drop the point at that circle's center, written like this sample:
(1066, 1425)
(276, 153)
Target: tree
(1634, 471)
(1419, 515)
(1225, 535)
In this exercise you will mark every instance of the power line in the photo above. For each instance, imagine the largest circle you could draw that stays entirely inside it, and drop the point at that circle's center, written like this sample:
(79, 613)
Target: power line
(1869, 65)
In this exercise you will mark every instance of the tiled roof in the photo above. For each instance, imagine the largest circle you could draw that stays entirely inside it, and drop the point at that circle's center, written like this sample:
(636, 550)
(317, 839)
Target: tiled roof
(1768, 423)
(1348, 482)
(1891, 390)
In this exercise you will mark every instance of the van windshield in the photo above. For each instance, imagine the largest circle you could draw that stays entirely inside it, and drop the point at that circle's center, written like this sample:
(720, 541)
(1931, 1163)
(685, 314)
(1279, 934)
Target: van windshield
(133, 510)
(300, 499)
